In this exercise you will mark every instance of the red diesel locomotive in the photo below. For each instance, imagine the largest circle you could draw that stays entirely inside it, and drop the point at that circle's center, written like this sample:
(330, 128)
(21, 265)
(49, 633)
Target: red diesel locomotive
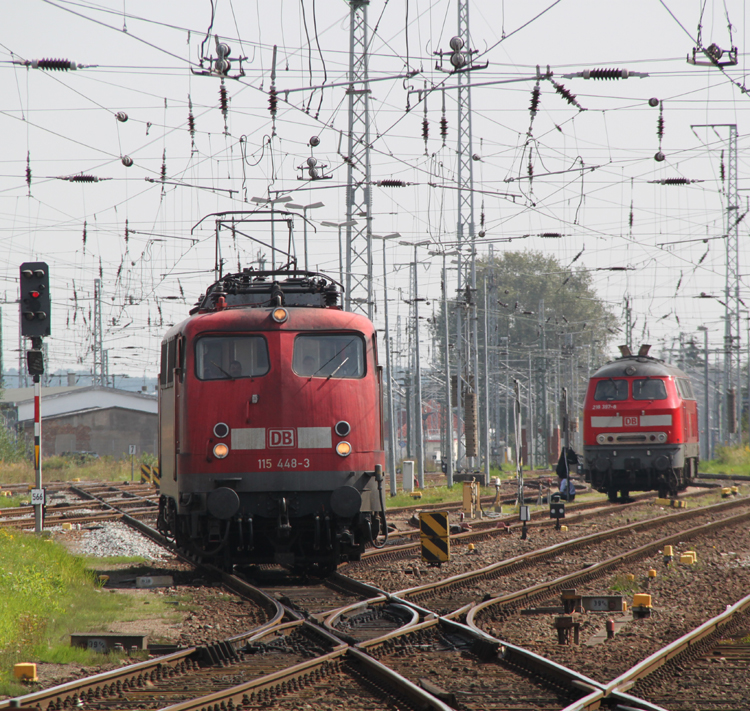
(640, 427)
(271, 438)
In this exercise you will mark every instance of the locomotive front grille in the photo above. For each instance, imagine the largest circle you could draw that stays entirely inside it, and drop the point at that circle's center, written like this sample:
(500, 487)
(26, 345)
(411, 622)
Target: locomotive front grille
(631, 437)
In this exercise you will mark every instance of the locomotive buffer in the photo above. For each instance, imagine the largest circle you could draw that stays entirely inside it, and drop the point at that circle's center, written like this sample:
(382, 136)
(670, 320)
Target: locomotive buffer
(435, 537)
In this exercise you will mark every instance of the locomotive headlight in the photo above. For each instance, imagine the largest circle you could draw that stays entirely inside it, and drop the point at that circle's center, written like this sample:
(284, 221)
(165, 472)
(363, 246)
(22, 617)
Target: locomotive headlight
(221, 450)
(343, 449)
(662, 437)
(279, 315)
(601, 439)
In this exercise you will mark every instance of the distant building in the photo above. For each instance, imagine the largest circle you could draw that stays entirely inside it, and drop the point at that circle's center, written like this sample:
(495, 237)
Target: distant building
(86, 419)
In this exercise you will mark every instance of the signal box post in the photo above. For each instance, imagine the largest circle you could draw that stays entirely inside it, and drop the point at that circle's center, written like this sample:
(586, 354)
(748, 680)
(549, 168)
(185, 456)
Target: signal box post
(34, 314)
(557, 511)
(434, 535)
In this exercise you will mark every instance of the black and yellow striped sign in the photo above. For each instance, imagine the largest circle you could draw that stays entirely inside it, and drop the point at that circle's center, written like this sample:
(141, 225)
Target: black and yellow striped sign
(149, 475)
(435, 537)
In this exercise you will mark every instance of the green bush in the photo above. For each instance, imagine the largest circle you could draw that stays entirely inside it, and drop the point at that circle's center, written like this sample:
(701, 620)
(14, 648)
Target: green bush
(12, 447)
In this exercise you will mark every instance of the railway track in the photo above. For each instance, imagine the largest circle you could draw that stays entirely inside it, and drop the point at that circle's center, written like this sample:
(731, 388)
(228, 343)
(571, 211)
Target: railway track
(96, 502)
(482, 529)
(326, 637)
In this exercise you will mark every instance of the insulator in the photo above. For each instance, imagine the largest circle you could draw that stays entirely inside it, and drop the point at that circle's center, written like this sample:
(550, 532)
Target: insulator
(314, 141)
(660, 125)
(566, 94)
(223, 99)
(444, 128)
(476, 157)
(28, 169)
(60, 65)
(456, 44)
(721, 168)
(659, 156)
(84, 235)
(605, 73)
(653, 102)
(81, 178)
(391, 183)
(191, 119)
(551, 235)
(630, 218)
(535, 94)
(312, 161)
(222, 66)
(482, 233)
(127, 231)
(458, 60)
(425, 129)
(714, 52)
(272, 101)
(530, 170)
(673, 181)
(121, 116)
(163, 172)
(223, 49)
(127, 161)
(313, 173)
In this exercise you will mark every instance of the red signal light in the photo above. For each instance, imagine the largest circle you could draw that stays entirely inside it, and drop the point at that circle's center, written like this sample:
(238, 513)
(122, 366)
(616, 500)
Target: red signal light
(34, 294)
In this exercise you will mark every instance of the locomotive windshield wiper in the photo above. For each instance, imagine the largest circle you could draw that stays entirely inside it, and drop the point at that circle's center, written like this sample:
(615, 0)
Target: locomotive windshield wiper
(222, 370)
(335, 355)
(338, 367)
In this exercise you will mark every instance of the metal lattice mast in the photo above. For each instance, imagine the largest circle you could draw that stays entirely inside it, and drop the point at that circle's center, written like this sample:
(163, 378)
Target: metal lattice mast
(732, 376)
(732, 289)
(98, 341)
(358, 196)
(465, 223)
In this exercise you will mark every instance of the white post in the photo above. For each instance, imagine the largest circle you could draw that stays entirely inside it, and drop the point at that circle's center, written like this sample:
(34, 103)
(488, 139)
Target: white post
(407, 468)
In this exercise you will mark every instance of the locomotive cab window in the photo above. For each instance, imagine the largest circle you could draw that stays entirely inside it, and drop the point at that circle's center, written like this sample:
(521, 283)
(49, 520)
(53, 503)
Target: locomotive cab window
(171, 357)
(231, 357)
(329, 356)
(611, 390)
(684, 388)
(649, 389)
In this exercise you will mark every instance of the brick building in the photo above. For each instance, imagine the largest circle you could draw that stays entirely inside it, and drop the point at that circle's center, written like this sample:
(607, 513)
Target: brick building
(87, 419)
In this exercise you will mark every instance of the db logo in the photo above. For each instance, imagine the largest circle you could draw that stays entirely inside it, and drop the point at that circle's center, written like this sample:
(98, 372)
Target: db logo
(631, 422)
(281, 438)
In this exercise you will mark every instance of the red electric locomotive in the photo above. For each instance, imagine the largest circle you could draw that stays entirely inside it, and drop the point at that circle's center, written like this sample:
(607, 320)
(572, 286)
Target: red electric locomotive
(271, 438)
(640, 427)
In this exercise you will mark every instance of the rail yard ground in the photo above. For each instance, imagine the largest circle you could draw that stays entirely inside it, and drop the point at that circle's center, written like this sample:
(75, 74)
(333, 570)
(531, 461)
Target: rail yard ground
(83, 578)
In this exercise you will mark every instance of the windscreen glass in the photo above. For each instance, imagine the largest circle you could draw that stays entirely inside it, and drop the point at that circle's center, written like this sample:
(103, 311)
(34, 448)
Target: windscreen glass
(231, 357)
(329, 356)
(611, 390)
(649, 389)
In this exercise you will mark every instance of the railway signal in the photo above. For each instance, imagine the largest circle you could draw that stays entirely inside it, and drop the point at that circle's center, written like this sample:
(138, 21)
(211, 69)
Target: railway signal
(34, 304)
(35, 300)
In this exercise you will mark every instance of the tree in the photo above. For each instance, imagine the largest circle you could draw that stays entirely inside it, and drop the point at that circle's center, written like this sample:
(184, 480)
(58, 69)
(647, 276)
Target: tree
(545, 320)
(517, 283)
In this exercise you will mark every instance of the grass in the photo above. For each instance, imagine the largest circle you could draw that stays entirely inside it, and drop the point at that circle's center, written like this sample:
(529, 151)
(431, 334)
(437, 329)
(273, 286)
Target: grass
(47, 594)
(729, 460)
(621, 584)
(64, 469)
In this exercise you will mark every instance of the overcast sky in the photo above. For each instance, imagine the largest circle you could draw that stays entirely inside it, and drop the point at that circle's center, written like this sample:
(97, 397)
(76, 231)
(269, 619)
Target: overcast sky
(589, 166)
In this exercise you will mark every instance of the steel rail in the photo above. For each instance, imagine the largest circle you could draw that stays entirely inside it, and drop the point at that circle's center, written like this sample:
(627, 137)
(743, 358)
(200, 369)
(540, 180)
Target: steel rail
(73, 690)
(541, 589)
(494, 649)
(649, 665)
(487, 528)
(540, 554)
(389, 683)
